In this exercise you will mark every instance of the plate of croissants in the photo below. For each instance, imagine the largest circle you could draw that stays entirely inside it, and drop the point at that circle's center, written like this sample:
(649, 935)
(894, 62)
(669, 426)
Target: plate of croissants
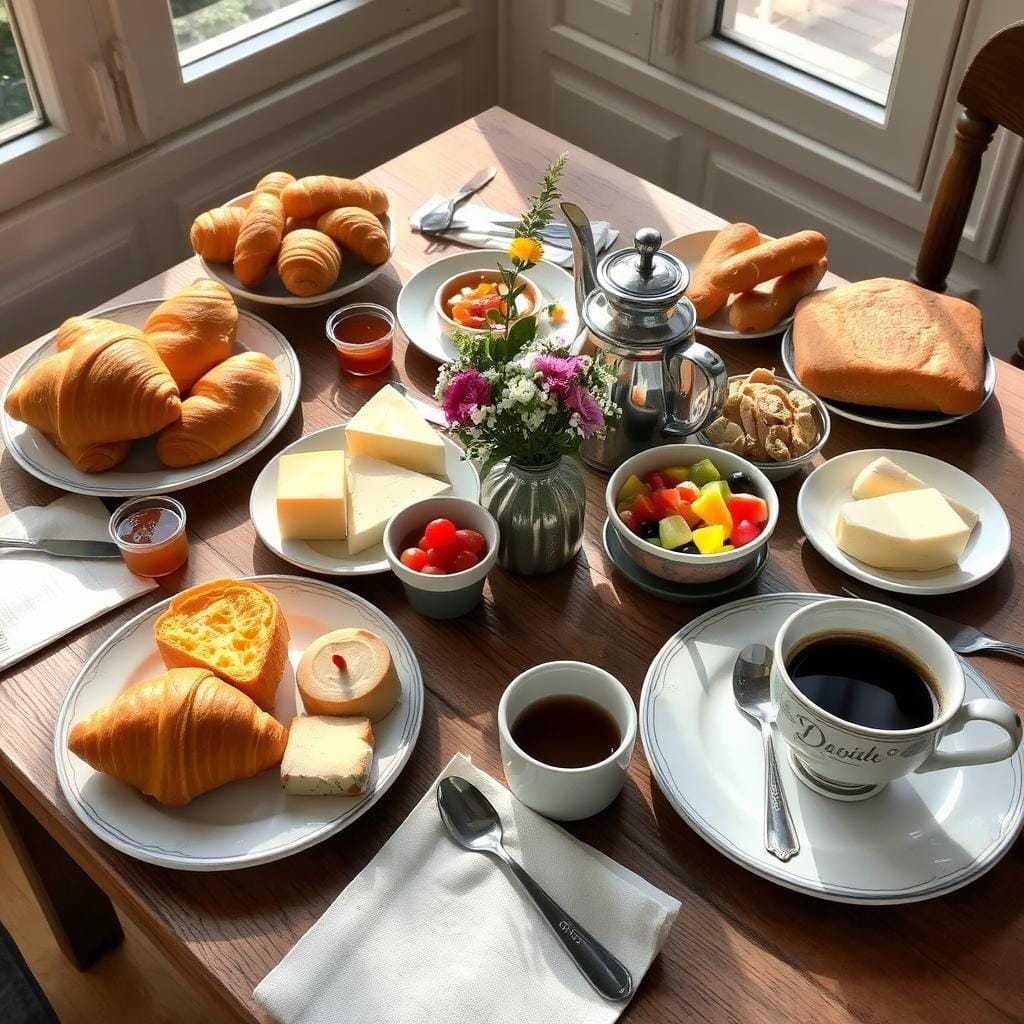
(296, 242)
(150, 397)
(238, 722)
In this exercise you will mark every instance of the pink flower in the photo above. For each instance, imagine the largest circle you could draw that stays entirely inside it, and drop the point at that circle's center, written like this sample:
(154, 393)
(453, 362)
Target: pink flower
(466, 391)
(579, 400)
(558, 371)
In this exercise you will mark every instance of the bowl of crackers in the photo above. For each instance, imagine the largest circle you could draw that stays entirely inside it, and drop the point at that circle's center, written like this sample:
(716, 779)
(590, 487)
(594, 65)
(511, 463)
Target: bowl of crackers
(770, 421)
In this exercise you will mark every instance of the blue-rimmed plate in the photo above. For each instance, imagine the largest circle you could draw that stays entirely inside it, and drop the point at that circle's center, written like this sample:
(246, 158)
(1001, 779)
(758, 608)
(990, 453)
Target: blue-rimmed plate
(921, 837)
(252, 821)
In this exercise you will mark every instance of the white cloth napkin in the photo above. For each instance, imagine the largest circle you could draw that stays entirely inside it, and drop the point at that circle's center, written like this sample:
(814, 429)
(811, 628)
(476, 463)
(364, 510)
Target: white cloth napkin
(42, 597)
(431, 932)
(473, 226)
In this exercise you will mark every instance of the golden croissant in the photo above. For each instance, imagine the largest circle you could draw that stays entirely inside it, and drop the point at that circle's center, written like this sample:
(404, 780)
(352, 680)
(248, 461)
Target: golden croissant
(179, 735)
(93, 458)
(224, 407)
(357, 230)
(214, 234)
(295, 223)
(258, 239)
(309, 262)
(274, 182)
(312, 196)
(193, 330)
(109, 385)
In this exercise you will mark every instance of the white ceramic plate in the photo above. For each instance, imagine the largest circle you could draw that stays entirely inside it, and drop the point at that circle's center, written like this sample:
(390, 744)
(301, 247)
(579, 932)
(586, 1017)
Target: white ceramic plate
(332, 557)
(828, 488)
(418, 318)
(921, 837)
(142, 472)
(690, 249)
(271, 292)
(890, 419)
(252, 821)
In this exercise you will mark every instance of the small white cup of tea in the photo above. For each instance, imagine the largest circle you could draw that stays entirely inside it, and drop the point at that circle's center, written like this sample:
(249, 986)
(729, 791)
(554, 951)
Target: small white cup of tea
(567, 731)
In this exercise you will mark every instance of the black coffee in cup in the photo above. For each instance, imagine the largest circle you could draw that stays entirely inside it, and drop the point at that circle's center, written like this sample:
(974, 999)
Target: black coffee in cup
(864, 681)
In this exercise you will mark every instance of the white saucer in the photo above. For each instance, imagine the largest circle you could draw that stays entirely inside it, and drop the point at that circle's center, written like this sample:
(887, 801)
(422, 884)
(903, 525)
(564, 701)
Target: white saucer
(418, 318)
(828, 488)
(922, 836)
(332, 557)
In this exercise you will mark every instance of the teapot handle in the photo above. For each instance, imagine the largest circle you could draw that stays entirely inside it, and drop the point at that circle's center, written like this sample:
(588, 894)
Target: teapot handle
(712, 366)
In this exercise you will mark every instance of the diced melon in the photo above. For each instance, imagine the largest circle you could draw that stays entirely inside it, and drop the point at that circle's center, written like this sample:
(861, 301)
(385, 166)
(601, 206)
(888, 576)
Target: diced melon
(674, 532)
(676, 474)
(703, 472)
(631, 488)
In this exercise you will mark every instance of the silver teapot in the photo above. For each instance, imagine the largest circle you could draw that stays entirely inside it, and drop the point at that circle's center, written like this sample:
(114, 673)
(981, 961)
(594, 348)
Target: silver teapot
(640, 325)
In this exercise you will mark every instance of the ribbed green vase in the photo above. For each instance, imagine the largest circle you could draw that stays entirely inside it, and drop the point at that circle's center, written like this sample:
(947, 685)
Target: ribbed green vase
(539, 510)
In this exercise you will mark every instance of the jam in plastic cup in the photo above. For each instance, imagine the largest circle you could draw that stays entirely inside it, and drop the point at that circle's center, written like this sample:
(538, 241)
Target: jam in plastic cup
(150, 534)
(363, 336)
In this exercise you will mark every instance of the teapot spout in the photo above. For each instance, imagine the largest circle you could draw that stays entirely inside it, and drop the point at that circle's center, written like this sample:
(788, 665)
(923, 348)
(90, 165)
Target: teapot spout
(584, 254)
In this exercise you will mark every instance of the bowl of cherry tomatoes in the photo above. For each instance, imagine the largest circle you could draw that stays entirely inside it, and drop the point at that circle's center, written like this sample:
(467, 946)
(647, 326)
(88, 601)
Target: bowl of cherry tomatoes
(442, 550)
(464, 301)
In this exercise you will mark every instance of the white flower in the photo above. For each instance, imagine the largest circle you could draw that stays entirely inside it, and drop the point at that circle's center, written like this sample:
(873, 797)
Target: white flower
(522, 391)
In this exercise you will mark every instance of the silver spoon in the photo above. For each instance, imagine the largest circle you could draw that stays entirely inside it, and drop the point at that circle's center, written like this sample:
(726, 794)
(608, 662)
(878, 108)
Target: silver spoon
(750, 687)
(474, 824)
(441, 216)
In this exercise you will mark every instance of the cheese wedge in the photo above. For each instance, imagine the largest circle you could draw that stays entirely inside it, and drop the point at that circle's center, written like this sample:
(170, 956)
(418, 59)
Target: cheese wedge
(390, 429)
(883, 476)
(376, 491)
(348, 672)
(913, 531)
(327, 756)
(312, 496)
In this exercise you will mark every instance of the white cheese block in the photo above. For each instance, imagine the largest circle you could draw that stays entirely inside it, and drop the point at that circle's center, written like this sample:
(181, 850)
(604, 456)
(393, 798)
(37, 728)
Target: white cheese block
(883, 476)
(913, 531)
(312, 495)
(327, 756)
(390, 429)
(376, 491)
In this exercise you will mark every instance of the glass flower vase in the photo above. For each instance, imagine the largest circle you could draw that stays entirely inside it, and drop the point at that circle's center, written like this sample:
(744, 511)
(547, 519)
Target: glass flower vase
(539, 510)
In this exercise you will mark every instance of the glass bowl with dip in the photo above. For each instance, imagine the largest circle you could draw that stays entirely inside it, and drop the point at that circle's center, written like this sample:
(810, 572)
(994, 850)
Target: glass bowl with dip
(363, 335)
(150, 534)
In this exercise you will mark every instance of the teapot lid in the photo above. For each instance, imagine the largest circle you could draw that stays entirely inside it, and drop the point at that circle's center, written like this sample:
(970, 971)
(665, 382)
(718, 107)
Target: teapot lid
(643, 276)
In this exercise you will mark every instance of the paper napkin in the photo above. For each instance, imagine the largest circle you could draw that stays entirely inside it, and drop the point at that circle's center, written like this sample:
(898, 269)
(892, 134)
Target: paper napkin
(41, 597)
(474, 226)
(431, 932)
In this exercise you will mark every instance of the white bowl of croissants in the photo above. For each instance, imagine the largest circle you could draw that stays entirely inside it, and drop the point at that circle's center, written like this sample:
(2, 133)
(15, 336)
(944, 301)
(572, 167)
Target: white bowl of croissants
(296, 242)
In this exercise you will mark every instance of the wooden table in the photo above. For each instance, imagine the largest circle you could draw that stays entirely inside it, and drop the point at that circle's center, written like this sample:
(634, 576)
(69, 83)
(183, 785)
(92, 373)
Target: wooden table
(742, 949)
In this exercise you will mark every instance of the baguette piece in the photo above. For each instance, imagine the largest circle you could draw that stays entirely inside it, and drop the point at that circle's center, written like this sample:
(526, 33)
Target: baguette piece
(749, 268)
(890, 343)
(733, 238)
(759, 310)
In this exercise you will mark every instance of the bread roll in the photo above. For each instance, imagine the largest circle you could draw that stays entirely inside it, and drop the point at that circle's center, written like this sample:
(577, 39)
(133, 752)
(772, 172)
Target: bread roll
(308, 263)
(258, 239)
(759, 310)
(706, 298)
(312, 196)
(358, 231)
(214, 234)
(746, 269)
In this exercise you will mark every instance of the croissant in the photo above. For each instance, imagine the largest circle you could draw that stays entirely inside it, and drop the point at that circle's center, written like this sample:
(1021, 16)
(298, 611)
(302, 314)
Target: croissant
(294, 223)
(193, 330)
(74, 329)
(215, 233)
(357, 230)
(110, 385)
(312, 196)
(179, 735)
(274, 182)
(258, 239)
(93, 458)
(308, 263)
(225, 406)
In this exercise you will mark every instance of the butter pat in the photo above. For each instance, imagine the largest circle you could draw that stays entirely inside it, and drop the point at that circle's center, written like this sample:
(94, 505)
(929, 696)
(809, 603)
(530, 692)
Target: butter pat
(376, 491)
(913, 530)
(312, 496)
(389, 428)
(883, 476)
(327, 756)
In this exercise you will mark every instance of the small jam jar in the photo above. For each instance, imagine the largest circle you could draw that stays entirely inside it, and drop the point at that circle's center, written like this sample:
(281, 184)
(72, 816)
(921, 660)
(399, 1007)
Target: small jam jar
(150, 534)
(363, 335)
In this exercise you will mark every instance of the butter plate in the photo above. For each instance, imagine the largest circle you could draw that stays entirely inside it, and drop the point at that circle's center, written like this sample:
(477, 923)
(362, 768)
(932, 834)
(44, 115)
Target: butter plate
(828, 488)
(331, 557)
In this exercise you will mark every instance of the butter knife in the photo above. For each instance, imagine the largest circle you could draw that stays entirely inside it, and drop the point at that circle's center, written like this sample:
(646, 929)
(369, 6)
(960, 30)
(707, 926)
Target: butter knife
(64, 548)
(430, 412)
(440, 217)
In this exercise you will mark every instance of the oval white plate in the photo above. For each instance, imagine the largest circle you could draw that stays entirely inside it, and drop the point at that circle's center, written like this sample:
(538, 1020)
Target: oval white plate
(332, 557)
(418, 318)
(252, 821)
(890, 419)
(828, 488)
(923, 836)
(271, 292)
(142, 472)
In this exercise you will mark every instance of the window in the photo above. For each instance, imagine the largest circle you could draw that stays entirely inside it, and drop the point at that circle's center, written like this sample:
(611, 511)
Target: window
(19, 110)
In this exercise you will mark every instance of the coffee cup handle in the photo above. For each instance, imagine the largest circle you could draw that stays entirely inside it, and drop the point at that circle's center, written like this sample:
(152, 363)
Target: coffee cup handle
(982, 710)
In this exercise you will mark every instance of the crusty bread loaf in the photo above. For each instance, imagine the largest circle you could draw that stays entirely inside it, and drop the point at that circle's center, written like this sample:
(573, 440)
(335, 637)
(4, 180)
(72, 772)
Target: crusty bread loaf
(889, 343)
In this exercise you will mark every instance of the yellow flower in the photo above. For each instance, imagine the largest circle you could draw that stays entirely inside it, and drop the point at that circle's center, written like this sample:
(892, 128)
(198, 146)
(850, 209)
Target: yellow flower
(556, 312)
(525, 250)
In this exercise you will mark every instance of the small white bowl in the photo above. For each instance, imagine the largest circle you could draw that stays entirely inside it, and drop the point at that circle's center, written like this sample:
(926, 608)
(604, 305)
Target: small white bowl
(530, 298)
(456, 593)
(676, 566)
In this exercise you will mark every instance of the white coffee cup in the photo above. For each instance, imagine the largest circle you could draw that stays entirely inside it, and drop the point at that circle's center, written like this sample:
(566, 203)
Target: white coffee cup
(847, 761)
(566, 794)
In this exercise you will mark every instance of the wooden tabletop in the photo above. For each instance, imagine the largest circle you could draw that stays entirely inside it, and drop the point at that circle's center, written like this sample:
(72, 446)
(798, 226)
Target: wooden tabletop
(742, 949)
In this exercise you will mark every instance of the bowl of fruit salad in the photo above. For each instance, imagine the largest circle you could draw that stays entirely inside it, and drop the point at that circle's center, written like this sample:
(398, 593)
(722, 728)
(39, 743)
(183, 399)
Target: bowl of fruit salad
(464, 300)
(442, 550)
(690, 513)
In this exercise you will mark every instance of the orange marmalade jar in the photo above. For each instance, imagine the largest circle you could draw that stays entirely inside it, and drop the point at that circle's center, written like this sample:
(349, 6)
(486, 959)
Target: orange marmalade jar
(150, 534)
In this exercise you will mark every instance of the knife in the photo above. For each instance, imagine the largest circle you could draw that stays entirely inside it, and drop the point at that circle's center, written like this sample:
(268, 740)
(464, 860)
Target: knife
(427, 410)
(64, 548)
(963, 639)
(440, 217)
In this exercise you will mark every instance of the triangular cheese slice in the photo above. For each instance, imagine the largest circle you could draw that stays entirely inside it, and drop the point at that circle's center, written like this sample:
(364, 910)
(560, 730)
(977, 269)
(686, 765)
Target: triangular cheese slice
(376, 491)
(883, 476)
(390, 429)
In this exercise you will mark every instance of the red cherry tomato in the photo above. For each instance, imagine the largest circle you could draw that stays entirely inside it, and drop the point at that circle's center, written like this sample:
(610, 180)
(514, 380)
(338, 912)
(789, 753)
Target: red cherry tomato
(442, 556)
(422, 543)
(744, 532)
(464, 560)
(470, 540)
(439, 532)
(414, 558)
(433, 570)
